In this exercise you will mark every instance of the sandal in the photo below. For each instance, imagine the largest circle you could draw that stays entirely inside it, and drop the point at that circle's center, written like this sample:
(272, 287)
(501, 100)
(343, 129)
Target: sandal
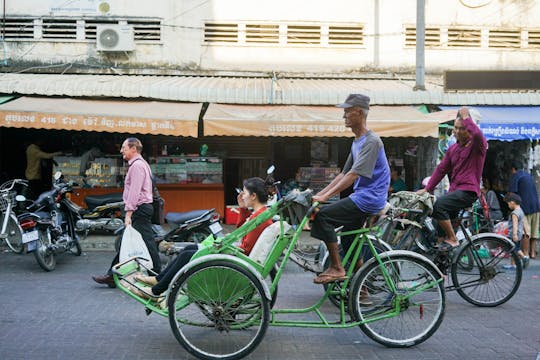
(328, 278)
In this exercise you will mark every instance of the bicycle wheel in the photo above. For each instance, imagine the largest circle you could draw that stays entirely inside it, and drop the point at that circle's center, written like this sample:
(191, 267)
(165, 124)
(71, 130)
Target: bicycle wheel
(488, 283)
(14, 236)
(380, 247)
(218, 310)
(400, 318)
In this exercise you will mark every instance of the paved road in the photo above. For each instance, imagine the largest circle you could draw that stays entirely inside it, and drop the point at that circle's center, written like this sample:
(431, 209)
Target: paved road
(64, 315)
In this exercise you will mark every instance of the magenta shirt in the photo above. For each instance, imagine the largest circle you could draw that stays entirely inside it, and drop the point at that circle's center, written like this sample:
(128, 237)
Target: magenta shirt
(463, 164)
(137, 184)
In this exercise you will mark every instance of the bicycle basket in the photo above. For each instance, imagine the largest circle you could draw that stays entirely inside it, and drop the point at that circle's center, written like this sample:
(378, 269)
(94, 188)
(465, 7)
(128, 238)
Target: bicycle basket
(7, 197)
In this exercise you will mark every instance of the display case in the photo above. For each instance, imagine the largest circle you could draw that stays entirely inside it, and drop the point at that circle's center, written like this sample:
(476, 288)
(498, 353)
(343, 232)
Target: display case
(101, 172)
(176, 169)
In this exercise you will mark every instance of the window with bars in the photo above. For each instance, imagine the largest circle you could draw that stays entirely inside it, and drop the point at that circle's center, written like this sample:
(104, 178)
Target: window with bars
(59, 29)
(303, 34)
(534, 39)
(432, 37)
(346, 35)
(220, 32)
(18, 28)
(262, 33)
(464, 37)
(146, 30)
(504, 38)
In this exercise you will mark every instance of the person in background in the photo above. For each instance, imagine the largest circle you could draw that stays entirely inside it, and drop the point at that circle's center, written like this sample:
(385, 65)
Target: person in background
(254, 196)
(396, 182)
(492, 202)
(138, 200)
(367, 170)
(34, 155)
(517, 227)
(522, 183)
(463, 164)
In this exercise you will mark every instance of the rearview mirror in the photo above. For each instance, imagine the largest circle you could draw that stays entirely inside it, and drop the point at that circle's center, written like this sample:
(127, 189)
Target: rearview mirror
(20, 198)
(271, 169)
(57, 175)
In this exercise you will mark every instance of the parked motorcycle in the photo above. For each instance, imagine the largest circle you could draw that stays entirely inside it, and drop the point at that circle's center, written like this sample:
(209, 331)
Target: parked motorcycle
(49, 224)
(103, 213)
(184, 227)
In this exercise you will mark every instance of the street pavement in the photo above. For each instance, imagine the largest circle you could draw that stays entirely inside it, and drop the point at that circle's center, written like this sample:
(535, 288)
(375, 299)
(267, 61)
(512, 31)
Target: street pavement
(63, 314)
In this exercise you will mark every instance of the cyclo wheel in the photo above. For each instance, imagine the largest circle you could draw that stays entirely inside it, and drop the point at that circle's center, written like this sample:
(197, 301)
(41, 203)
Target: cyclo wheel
(489, 284)
(380, 247)
(418, 316)
(218, 310)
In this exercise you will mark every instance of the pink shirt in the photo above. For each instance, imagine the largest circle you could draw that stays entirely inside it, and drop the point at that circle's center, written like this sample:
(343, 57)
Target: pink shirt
(463, 164)
(137, 184)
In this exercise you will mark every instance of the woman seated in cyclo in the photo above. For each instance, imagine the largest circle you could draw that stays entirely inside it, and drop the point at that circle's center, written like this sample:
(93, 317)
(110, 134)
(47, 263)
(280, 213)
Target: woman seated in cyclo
(254, 195)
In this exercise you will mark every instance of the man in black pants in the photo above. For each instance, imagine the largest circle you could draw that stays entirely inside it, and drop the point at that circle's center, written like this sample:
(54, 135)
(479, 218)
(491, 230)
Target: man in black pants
(368, 171)
(138, 200)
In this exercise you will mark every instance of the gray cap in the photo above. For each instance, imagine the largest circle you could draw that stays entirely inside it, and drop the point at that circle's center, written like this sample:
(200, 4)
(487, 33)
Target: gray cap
(359, 100)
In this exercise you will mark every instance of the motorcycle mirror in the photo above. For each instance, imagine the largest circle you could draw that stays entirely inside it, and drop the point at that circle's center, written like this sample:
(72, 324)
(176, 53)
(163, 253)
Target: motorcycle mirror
(270, 169)
(20, 198)
(238, 190)
(57, 175)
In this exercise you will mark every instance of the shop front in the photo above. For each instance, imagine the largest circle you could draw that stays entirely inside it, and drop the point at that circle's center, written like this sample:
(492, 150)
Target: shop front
(198, 164)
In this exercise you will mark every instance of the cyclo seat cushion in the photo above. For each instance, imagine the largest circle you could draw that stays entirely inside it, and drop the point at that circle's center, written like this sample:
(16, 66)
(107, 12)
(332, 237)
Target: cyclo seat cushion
(266, 241)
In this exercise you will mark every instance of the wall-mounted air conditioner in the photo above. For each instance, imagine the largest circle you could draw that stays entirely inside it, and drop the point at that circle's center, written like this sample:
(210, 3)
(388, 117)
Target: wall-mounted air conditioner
(115, 37)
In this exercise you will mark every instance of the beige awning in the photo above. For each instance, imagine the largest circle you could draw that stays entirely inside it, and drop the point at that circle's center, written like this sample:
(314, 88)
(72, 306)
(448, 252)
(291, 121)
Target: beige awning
(313, 121)
(142, 117)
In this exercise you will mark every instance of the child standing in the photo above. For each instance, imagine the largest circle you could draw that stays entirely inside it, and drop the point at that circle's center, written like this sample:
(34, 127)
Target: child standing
(516, 227)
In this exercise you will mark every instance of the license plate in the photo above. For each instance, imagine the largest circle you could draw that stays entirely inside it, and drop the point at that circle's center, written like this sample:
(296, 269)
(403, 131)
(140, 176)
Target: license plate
(215, 228)
(30, 236)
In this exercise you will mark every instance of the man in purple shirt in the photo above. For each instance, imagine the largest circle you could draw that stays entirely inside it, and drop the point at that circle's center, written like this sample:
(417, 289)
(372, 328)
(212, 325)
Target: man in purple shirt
(463, 163)
(138, 200)
(367, 170)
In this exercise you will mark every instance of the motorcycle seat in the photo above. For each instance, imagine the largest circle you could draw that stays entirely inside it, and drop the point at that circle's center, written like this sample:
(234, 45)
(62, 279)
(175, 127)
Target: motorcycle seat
(93, 201)
(182, 217)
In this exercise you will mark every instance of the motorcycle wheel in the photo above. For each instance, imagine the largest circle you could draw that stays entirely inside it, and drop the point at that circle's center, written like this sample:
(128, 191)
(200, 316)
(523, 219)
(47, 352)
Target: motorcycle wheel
(76, 248)
(44, 257)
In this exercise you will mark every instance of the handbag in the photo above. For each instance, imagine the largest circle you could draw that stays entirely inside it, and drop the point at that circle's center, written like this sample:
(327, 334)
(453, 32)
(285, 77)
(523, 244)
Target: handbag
(133, 245)
(158, 205)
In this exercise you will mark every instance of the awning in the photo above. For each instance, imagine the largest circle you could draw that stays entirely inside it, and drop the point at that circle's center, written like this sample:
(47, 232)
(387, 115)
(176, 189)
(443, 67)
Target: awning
(313, 121)
(507, 123)
(142, 117)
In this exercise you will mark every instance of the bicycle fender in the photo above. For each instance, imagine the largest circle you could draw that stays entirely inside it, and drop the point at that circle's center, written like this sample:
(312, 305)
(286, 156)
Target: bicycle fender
(16, 222)
(224, 257)
(413, 254)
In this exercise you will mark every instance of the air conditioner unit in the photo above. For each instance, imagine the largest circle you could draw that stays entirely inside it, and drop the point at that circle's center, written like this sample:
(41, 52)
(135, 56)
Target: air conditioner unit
(115, 38)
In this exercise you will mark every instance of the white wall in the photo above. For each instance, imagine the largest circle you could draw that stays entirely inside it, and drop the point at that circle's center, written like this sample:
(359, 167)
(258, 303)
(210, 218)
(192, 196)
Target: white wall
(182, 46)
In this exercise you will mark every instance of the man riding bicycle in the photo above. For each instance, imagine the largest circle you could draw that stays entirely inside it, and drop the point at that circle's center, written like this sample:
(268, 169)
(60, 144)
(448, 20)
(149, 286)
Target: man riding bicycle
(463, 163)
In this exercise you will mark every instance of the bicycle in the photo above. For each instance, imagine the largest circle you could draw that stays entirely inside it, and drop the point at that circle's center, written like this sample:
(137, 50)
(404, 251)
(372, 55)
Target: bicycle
(476, 266)
(219, 305)
(10, 231)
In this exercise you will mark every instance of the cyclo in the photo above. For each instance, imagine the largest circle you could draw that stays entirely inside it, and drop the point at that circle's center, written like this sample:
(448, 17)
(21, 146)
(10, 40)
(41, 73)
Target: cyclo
(219, 305)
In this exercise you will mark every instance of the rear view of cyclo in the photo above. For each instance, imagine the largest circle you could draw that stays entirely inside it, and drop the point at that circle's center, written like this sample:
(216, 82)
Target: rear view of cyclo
(221, 303)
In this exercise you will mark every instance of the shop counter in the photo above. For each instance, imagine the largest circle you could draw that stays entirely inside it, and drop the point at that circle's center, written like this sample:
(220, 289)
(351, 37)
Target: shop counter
(178, 197)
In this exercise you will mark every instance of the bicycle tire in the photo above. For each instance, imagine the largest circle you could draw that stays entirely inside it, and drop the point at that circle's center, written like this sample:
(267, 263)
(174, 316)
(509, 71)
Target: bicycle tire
(14, 235)
(491, 285)
(420, 315)
(218, 310)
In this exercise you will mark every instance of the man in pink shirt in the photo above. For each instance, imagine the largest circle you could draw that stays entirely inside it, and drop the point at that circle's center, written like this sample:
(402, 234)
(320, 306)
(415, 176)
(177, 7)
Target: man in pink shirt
(463, 163)
(138, 199)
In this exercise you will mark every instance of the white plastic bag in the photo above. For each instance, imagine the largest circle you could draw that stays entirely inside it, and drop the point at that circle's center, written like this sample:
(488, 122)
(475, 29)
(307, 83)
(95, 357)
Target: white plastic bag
(133, 245)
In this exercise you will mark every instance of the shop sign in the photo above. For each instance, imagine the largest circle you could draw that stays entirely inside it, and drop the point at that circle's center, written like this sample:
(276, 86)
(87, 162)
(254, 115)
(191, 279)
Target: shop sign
(509, 132)
(97, 123)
